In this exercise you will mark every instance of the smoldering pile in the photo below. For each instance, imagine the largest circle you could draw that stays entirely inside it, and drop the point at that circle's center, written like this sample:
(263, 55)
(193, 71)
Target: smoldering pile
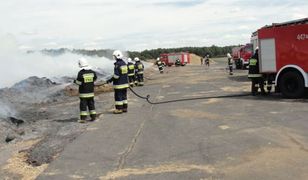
(19, 103)
(19, 98)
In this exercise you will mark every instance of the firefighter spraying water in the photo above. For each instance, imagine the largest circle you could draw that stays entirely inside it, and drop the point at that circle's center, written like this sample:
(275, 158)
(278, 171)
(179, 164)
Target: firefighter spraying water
(120, 83)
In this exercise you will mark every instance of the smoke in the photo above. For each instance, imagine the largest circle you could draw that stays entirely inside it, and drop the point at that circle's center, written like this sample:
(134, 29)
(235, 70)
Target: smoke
(6, 111)
(17, 65)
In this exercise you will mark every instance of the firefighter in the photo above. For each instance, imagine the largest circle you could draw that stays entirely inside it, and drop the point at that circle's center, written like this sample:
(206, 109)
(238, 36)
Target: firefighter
(85, 80)
(201, 60)
(230, 64)
(177, 62)
(207, 60)
(257, 80)
(120, 83)
(131, 72)
(160, 65)
(139, 68)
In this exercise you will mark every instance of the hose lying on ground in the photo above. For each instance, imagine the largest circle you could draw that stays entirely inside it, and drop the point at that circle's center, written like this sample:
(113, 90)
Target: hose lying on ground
(147, 97)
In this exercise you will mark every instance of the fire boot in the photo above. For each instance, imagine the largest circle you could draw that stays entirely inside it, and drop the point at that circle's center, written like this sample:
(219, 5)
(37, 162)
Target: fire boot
(117, 111)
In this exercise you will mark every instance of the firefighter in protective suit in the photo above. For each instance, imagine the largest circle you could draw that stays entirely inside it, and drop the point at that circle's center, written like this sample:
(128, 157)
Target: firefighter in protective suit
(120, 83)
(230, 64)
(257, 80)
(177, 62)
(85, 80)
(207, 60)
(131, 72)
(139, 68)
(160, 65)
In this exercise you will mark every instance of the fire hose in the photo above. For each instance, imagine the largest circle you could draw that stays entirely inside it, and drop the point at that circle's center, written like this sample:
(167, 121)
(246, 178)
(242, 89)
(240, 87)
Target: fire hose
(147, 97)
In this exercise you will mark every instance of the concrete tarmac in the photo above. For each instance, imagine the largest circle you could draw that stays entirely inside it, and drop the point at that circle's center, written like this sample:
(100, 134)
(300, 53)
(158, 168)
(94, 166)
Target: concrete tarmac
(261, 137)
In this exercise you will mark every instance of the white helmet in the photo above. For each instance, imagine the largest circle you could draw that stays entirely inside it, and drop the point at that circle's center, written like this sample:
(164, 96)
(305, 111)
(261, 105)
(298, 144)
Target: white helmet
(157, 59)
(83, 63)
(136, 59)
(117, 54)
(229, 55)
(257, 48)
(129, 60)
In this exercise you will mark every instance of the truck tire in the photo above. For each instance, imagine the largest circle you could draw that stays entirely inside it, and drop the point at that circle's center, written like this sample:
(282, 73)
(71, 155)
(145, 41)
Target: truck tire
(291, 85)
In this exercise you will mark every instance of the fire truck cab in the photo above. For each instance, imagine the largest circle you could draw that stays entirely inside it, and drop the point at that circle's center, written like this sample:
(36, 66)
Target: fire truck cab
(241, 56)
(283, 56)
(170, 58)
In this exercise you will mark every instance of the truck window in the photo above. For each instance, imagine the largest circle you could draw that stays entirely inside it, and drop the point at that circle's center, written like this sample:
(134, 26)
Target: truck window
(248, 49)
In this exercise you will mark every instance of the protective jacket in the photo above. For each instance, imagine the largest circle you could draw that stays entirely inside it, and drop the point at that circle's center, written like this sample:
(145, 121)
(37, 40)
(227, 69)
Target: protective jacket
(253, 71)
(85, 80)
(160, 65)
(120, 78)
(230, 61)
(131, 69)
(139, 67)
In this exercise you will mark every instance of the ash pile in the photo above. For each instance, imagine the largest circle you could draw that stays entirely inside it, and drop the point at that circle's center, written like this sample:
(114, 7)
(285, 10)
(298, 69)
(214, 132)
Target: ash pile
(40, 108)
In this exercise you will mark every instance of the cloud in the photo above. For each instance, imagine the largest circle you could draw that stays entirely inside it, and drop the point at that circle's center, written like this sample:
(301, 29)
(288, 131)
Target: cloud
(183, 4)
(136, 24)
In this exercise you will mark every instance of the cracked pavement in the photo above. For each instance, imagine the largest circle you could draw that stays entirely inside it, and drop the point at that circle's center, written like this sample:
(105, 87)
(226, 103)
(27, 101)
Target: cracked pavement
(232, 138)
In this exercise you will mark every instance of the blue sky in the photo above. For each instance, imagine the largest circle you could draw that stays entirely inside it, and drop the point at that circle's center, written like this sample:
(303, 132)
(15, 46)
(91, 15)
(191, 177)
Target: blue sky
(139, 25)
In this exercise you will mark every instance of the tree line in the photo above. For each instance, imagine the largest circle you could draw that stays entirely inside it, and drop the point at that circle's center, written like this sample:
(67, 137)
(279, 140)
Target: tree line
(213, 51)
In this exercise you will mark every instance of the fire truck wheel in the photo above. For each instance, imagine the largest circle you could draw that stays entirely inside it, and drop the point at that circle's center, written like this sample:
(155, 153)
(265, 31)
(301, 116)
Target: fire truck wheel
(291, 84)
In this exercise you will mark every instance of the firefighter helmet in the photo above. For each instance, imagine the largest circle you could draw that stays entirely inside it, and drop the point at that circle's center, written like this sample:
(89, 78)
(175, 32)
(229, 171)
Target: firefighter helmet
(129, 60)
(229, 55)
(136, 59)
(257, 48)
(82, 62)
(157, 59)
(117, 54)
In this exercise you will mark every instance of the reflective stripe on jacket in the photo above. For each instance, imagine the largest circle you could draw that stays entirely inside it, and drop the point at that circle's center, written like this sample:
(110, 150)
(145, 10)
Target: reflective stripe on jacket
(253, 71)
(120, 77)
(85, 80)
(131, 69)
(139, 67)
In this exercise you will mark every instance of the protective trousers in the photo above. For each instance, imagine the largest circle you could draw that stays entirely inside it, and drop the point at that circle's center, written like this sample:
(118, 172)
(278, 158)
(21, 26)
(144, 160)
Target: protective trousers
(207, 62)
(140, 79)
(120, 96)
(87, 103)
(131, 80)
(161, 69)
(230, 69)
(257, 81)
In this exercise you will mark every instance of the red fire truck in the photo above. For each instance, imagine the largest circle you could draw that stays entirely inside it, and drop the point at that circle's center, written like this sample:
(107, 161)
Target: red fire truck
(170, 58)
(283, 56)
(241, 55)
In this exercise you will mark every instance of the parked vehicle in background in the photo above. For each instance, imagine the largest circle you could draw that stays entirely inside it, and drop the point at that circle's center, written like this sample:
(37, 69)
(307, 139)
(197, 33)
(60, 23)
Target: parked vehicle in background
(283, 56)
(241, 55)
(170, 58)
